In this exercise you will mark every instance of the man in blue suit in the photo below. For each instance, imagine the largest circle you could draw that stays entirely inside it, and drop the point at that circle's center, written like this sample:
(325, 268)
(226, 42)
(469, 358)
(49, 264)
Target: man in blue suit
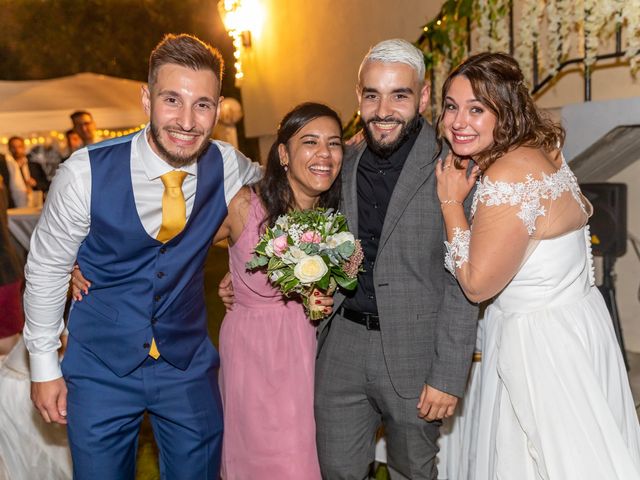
(138, 213)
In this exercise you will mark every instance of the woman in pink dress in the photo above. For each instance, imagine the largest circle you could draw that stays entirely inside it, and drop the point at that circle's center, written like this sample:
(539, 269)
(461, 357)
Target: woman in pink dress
(267, 344)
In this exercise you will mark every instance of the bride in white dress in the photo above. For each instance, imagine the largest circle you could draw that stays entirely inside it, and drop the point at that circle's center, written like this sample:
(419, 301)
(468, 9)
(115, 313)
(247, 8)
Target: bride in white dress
(554, 400)
(29, 447)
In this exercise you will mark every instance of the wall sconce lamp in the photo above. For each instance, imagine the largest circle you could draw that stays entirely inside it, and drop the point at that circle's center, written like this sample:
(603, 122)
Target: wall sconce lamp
(241, 18)
(246, 38)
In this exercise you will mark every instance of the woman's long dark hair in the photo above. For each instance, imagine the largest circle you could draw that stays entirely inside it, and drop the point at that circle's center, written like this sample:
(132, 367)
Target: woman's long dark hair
(274, 189)
(498, 83)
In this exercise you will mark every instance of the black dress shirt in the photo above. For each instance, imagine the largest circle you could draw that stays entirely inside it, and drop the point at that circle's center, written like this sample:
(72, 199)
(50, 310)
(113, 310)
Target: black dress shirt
(376, 179)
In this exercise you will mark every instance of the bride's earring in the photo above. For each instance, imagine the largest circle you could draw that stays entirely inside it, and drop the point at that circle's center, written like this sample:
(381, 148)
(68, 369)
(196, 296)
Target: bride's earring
(285, 167)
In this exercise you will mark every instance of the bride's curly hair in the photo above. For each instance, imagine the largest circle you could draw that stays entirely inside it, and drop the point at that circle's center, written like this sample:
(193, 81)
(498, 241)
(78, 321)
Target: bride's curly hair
(498, 83)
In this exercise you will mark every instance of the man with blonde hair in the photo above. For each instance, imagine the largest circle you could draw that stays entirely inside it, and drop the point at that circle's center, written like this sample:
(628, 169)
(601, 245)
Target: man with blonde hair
(397, 352)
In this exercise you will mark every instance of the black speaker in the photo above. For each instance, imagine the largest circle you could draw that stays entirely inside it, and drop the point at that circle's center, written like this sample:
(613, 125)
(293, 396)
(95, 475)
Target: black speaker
(609, 220)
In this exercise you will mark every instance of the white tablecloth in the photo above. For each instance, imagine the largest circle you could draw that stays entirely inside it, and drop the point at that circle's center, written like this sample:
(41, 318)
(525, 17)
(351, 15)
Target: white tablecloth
(22, 221)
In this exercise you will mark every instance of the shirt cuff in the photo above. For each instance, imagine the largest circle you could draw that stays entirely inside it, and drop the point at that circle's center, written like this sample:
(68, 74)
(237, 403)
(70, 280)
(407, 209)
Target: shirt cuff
(45, 366)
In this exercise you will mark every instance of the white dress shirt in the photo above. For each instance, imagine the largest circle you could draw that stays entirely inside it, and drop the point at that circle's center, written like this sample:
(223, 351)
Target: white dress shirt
(26, 173)
(17, 188)
(65, 223)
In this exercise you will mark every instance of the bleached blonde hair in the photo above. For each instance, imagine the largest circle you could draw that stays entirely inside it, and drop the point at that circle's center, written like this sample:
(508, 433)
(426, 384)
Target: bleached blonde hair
(396, 50)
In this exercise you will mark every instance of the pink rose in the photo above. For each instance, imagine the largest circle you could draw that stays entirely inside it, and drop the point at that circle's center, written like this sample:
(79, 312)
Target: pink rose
(311, 236)
(280, 245)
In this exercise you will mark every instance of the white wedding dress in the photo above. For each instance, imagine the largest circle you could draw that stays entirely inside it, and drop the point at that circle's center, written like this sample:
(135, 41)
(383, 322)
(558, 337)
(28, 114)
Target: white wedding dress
(458, 431)
(29, 447)
(554, 397)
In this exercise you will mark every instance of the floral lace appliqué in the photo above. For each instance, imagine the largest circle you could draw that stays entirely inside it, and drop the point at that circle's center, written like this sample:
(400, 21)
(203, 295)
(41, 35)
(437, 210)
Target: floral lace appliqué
(457, 250)
(528, 194)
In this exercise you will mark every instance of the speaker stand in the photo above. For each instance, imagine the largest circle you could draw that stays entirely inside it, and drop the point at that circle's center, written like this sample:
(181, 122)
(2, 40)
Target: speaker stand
(608, 291)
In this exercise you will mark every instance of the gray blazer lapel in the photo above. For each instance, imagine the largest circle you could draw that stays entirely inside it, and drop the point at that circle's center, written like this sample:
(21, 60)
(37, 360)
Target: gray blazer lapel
(418, 167)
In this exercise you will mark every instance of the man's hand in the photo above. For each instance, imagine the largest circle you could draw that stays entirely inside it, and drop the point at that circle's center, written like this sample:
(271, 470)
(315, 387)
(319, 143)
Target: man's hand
(435, 405)
(225, 292)
(50, 398)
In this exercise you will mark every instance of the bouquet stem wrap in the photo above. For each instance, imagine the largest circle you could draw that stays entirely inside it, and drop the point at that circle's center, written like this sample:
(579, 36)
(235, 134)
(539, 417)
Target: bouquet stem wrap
(316, 312)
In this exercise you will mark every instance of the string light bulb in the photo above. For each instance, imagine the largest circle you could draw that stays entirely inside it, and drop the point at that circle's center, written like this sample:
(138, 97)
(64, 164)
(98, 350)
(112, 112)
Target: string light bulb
(243, 20)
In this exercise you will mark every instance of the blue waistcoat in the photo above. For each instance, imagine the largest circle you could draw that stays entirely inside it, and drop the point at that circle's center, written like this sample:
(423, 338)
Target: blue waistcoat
(141, 288)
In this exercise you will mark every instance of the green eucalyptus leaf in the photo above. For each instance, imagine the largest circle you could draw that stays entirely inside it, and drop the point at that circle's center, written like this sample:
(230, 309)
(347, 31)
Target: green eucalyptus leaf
(347, 283)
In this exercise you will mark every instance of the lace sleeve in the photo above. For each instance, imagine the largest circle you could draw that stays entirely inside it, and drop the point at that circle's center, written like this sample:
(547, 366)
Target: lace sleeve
(527, 195)
(511, 207)
(457, 250)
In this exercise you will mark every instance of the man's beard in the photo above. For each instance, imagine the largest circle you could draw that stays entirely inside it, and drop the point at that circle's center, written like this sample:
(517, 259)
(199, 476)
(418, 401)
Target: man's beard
(385, 150)
(172, 159)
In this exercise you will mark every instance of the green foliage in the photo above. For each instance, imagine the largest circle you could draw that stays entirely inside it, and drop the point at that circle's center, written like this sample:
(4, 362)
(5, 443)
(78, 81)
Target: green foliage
(256, 262)
(346, 282)
(447, 35)
(323, 283)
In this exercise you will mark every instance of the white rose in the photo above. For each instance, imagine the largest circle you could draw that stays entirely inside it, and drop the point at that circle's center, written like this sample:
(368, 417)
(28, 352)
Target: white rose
(310, 269)
(339, 238)
(283, 222)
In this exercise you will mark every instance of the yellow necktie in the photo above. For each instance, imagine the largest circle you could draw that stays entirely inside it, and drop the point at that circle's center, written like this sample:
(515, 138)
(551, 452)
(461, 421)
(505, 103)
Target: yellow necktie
(174, 217)
(174, 210)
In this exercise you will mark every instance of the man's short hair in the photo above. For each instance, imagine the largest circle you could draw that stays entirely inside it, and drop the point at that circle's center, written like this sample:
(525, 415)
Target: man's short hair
(396, 50)
(77, 114)
(186, 51)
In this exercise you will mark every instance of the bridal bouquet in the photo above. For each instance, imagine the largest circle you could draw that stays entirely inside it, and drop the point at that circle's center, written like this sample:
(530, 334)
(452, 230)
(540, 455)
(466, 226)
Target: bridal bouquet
(309, 250)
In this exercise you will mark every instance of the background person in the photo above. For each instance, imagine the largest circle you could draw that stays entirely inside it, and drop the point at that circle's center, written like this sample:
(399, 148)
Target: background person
(74, 142)
(32, 172)
(15, 190)
(85, 127)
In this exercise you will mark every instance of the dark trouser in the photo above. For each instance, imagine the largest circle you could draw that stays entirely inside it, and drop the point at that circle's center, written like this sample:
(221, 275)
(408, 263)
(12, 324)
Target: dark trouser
(105, 412)
(353, 397)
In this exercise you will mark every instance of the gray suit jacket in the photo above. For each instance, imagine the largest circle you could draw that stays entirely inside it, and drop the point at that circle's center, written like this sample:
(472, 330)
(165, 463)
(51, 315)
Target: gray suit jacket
(428, 327)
